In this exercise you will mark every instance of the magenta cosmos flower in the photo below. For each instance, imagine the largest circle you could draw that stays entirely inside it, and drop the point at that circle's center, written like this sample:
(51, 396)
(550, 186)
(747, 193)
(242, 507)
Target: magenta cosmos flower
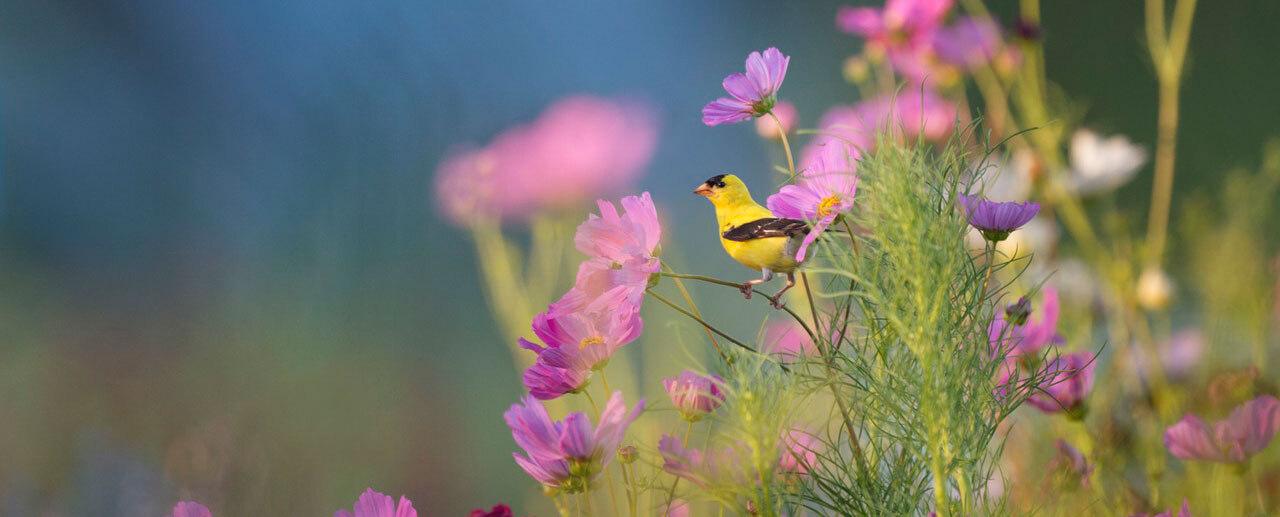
(623, 250)
(704, 469)
(190, 509)
(1023, 331)
(575, 344)
(752, 94)
(786, 113)
(580, 147)
(568, 454)
(695, 395)
(1070, 381)
(1247, 431)
(1184, 512)
(374, 504)
(910, 113)
(501, 510)
(902, 25)
(822, 192)
(799, 452)
(787, 341)
(996, 220)
(1071, 462)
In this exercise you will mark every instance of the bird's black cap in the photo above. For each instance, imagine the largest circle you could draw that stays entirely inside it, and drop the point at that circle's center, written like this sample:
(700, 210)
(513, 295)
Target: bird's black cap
(715, 181)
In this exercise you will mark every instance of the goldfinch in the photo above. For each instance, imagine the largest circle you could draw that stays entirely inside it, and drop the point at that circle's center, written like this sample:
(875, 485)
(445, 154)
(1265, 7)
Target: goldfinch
(752, 235)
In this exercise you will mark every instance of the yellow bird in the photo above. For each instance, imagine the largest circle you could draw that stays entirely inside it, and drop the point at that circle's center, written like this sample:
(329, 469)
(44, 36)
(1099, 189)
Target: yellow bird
(752, 235)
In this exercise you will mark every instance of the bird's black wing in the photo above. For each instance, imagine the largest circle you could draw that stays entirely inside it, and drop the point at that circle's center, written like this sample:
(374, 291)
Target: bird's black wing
(767, 227)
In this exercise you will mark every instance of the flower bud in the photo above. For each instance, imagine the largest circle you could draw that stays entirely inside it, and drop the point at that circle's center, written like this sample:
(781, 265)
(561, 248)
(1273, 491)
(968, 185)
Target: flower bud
(628, 455)
(1017, 313)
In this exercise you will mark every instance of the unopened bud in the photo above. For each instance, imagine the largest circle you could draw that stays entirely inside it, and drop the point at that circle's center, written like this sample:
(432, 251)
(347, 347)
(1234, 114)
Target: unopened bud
(1017, 313)
(628, 455)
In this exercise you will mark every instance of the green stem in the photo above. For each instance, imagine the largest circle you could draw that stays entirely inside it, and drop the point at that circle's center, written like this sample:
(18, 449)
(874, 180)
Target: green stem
(727, 283)
(613, 498)
(991, 258)
(782, 132)
(671, 494)
(706, 325)
(1168, 53)
(694, 308)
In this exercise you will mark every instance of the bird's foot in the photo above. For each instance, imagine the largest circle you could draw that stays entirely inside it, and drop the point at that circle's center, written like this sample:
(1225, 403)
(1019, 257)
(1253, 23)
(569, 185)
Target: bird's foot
(776, 302)
(746, 289)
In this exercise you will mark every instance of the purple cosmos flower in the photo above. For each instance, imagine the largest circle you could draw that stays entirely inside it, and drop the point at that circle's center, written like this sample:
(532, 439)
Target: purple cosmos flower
(1036, 329)
(1070, 381)
(1246, 432)
(548, 382)
(969, 41)
(822, 192)
(568, 454)
(1071, 461)
(695, 395)
(190, 509)
(374, 504)
(901, 24)
(580, 147)
(996, 220)
(622, 249)
(703, 468)
(583, 340)
(1178, 356)
(751, 95)
(799, 452)
(1184, 512)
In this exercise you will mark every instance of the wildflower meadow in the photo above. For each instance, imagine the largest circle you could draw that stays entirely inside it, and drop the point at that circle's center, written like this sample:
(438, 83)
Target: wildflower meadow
(925, 278)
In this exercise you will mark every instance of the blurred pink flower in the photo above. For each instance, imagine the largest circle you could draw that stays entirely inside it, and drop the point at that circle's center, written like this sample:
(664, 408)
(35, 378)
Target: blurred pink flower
(823, 192)
(912, 112)
(1070, 381)
(501, 510)
(1247, 431)
(900, 25)
(995, 219)
(799, 451)
(1178, 356)
(695, 395)
(702, 468)
(786, 113)
(752, 94)
(190, 509)
(1071, 461)
(968, 41)
(677, 508)
(623, 256)
(568, 454)
(374, 504)
(1184, 512)
(580, 147)
(787, 341)
(1039, 328)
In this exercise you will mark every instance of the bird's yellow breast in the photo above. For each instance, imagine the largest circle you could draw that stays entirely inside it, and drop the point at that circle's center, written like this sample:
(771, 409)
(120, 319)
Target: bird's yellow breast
(773, 253)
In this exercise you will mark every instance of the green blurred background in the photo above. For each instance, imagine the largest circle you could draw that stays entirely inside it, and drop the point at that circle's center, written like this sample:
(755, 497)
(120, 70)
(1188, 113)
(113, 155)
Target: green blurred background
(221, 276)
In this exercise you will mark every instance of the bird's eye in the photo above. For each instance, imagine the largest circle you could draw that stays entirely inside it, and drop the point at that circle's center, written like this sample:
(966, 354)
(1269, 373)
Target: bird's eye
(720, 184)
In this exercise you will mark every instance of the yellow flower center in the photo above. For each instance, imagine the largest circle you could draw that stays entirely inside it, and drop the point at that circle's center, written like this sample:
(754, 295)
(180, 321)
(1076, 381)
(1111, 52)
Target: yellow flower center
(590, 341)
(828, 205)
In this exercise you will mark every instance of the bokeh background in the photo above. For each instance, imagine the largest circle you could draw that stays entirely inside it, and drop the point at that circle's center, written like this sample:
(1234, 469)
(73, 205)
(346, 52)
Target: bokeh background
(222, 276)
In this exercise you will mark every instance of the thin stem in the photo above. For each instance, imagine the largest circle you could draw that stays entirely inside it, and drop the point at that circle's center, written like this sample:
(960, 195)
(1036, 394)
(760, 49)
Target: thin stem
(613, 498)
(586, 502)
(594, 409)
(694, 309)
(991, 258)
(699, 320)
(632, 493)
(558, 500)
(1168, 53)
(782, 132)
(727, 283)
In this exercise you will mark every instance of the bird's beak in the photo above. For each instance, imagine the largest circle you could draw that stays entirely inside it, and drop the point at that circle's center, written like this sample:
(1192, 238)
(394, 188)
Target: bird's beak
(703, 190)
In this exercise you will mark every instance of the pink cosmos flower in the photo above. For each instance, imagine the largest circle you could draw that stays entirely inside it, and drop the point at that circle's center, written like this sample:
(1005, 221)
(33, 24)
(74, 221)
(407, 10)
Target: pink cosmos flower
(1184, 512)
(996, 220)
(822, 192)
(1070, 381)
(677, 508)
(1071, 461)
(583, 340)
(1247, 431)
(548, 382)
(568, 454)
(901, 25)
(799, 452)
(623, 250)
(374, 504)
(968, 41)
(786, 113)
(501, 510)
(751, 95)
(1036, 329)
(786, 341)
(1178, 356)
(190, 509)
(703, 468)
(910, 113)
(580, 147)
(694, 395)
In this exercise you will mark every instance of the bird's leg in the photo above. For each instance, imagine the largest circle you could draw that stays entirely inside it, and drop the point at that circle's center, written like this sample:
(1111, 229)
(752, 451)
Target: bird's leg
(777, 298)
(766, 276)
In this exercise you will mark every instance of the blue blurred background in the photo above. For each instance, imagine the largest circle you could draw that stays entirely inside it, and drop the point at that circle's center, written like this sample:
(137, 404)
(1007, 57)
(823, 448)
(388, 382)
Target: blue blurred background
(221, 274)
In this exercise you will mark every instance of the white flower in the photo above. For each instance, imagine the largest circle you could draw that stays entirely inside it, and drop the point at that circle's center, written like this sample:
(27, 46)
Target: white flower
(1099, 165)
